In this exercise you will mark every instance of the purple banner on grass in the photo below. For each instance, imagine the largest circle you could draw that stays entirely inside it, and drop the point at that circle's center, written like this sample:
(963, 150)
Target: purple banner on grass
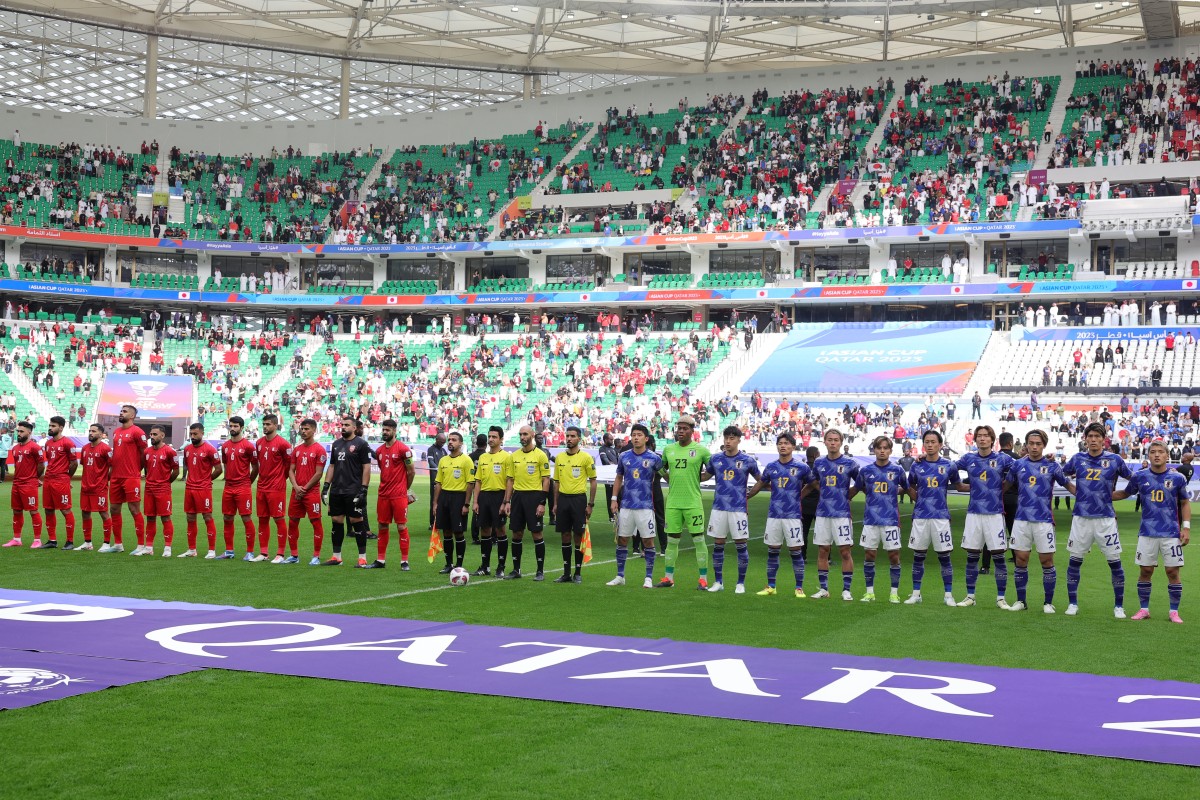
(1100, 715)
(27, 679)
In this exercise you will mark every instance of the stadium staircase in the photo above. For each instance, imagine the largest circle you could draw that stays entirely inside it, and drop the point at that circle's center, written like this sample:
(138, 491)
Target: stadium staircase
(279, 379)
(1058, 114)
(370, 180)
(995, 353)
(876, 139)
(25, 388)
(551, 173)
(731, 375)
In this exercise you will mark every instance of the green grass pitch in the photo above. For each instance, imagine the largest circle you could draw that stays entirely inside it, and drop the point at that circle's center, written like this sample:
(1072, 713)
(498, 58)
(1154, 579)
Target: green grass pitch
(238, 735)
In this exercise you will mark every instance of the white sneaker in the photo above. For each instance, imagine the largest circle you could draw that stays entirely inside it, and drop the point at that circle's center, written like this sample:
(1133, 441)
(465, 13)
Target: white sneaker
(1017, 606)
(846, 595)
(277, 560)
(187, 554)
(137, 551)
(106, 548)
(1047, 608)
(948, 599)
(913, 599)
(617, 581)
(1119, 612)
(259, 557)
(1002, 604)
(966, 602)
(166, 552)
(1072, 610)
(648, 583)
(717, 587)
(820, 594)
(84, 546)
(248, 557)
(117, 548)
(739, 588)
(211, 554)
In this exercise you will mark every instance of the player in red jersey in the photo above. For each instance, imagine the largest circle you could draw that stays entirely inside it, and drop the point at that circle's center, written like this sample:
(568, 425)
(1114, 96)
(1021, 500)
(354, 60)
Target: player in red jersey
(274, 460)
(128, 444)
(28, 464)
(162, 468)
(201, 466)
(61, 463)
(96, 457)
(308, 464)
(396, 474)
(241, 468)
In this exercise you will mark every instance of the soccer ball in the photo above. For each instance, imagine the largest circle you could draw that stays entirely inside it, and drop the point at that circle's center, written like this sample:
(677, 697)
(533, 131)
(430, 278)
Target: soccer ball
(459, 577)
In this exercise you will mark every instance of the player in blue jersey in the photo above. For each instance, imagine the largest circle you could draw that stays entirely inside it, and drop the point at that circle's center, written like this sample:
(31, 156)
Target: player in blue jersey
(633, 502)
(833, 476)
(984, 530)
(1094, 522)
(1034, 477)
(1166, 526)
(882, 482)
(731, 470)
(786, 478)
(929, 481)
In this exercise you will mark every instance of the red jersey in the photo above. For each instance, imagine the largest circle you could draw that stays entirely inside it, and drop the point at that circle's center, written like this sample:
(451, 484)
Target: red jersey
(393, 462)
(274, 458)
(238, 457)
(128, 444)
(309, 460)
(96, 459)
(200, 462)
(60, 455)
(159, 463)
(24, 459)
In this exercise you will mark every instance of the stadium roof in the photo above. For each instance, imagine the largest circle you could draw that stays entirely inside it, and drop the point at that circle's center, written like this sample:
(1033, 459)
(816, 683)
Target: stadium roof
(638, 37)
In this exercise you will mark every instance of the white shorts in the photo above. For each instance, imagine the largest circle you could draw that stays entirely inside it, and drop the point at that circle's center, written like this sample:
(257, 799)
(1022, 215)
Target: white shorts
(635, 522)
(729, 525)
(1030, 536)
(985, 532)
(1086, 531)
(872, 535)
(833, 530)
(933, 533)
(784, 531)
(1150, 548)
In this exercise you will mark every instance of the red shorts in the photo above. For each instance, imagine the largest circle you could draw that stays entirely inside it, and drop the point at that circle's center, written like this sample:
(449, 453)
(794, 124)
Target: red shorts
(56, 495)
(24, 498)
(197, 501)
(158, 502)
(125, 490)
(270, 503)
(392, 509)
(89, 502)
(236, 500)
(308, 505)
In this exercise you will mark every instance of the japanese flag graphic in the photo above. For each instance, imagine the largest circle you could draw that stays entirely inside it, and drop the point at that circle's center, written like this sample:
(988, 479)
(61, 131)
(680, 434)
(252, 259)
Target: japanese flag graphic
(185, 295)
(585, 297)
(956, 290)
(392, 300)
(762, 292)
(1189, 284)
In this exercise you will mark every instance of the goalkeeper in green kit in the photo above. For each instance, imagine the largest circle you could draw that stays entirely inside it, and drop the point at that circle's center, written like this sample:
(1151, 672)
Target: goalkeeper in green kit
(683, 461)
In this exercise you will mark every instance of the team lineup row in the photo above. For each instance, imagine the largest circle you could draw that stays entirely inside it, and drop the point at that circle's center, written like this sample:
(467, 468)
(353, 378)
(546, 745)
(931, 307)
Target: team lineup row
(511, 492)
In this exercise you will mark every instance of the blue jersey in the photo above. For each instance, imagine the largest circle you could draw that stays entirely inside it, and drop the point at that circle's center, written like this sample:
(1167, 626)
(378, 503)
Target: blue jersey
(932, 480)
(882, 486)
(1160, 493)
(834, 477)
(731, 474)
(637, 478)
(786, 482)
(1095, 479)
(1035, 487)
(987, 480)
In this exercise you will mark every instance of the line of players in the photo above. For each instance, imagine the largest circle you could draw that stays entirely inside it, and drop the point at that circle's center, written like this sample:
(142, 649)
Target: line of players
(836, 478)
(112, 479)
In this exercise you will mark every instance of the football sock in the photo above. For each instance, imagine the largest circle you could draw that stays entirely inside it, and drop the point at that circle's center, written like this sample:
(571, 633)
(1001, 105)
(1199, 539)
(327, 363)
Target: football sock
(743, 558)
(210, 526)
(318, 536)
(718, 562)
(501, 553)
(264, 534)
(672, 554)
(1001, 566)
(578, 557)
(381, 545)
(1049, 580)
(798, 568)
(18, 524)
(517, 547)
(947, 571)
(51, 526)
(251, 534)
(281, 533)
(1118, 581)
(972, 570)
(227, 532)
(772, 565)
(360, 539)
(1143, 589)
(485, 550)
(151, 532)
(191, 532)
(460, 548)
(107, 527)
(701, 553)
(649, 554)
(115, 524)
(339, 536)
(168, 531)
(404, 542)
(894, 575)
(918, 570)
(1022, 578)
(36, 520)
(869, 575)
(293, 534)
(1175, 592)
(847, 579)
(823, 578)
(622, 554)
(566, 556)
(539, 552)
(139, 526)
(87, 527)
(69, 523)
(1073, 568)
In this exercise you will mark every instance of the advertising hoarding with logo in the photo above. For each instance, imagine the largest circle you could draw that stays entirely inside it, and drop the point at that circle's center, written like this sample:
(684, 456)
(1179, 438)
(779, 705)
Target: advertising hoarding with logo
(168, 400)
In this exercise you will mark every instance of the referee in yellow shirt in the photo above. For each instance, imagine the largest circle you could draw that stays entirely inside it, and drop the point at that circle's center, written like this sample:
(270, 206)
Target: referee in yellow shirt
(525, 500)
(492, 471)
(456, 473)
(574, 478)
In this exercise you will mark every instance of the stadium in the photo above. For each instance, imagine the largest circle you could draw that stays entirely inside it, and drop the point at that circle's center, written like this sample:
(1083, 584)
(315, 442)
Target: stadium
(620, 281)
